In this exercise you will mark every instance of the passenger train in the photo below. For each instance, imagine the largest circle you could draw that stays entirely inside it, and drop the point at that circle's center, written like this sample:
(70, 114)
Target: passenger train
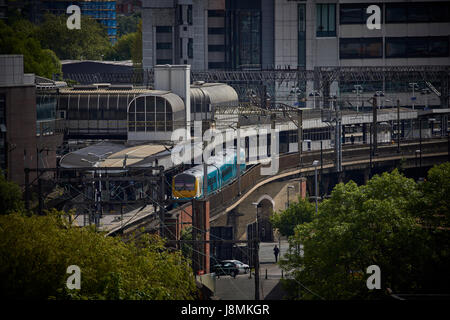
(222, 169)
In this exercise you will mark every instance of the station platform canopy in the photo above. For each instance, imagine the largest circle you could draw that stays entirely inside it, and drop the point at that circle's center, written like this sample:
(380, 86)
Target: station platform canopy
(114, 155)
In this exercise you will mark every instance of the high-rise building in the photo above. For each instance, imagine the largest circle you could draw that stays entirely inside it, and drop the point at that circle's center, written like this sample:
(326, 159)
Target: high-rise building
(264, 34)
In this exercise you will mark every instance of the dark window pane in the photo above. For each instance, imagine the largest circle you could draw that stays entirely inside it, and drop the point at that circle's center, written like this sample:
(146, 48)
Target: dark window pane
(140, 104)
(150, 121)
(216, 30)
(350, 48)
(373, 47)
(216, 13)
(395, 47)
(150, 104)
(396, 13)
(163, 29)
(417, 47)
(351, 14)
(163, 61)
(438, 47)
(140, 121)
(164, 45)
(216, 48)
(439, 12)
(160, 106)
(190, 48)
(417, 12)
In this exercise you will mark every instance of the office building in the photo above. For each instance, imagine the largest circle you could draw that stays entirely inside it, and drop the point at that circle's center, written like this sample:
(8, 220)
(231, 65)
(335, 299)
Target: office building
(266, 34)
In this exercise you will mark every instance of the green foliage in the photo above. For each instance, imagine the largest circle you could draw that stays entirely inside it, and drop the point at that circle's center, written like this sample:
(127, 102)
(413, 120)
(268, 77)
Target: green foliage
(10, 197)
(186, 248)
(358, 227)
(127, 24)
(298, 213)
(122, 48)
(136, 49)
(435, 203)
(19, 38)
(37, 250)
(90, 42)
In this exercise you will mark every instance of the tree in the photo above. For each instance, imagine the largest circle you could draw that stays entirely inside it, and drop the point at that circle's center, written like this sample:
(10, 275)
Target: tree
(136, 49)
(358, 227)
(89, 42)
(122, 48)
(127, 24)
(298, 213)
(10, 197)
(432, 209)
(37, 250)
(19, 38)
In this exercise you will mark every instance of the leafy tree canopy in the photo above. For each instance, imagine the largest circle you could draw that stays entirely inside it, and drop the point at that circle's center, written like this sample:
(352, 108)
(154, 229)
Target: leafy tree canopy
(10, 196)
(19, 38)
(122, 48)
(90, 42)
(298, 213)
(358, 227)
(37, 250)
(127, 24)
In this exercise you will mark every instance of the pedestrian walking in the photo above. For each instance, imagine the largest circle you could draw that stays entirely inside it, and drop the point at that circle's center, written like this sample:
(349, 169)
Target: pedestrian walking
(276, 251)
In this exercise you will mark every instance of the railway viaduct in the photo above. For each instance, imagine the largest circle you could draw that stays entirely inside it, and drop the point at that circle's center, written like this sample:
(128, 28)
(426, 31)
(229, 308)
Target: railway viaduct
(229, 207)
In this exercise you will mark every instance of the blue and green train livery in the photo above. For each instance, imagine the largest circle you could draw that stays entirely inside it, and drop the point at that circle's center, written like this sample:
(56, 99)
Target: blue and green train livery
(222, 169)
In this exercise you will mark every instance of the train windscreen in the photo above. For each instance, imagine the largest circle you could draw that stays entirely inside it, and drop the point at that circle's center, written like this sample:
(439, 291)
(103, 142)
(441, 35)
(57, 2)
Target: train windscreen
(184, 182)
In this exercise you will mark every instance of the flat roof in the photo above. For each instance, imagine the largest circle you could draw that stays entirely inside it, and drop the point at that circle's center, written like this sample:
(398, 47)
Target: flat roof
(110, 154)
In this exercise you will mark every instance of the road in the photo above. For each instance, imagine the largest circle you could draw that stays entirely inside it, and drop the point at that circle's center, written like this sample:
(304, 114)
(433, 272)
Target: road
(243, 286)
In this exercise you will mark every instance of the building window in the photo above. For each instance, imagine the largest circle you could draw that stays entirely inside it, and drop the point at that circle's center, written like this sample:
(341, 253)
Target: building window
(417, 47)
(164, 45)
(163, 61)
(180, 14)
(216, 48)
(216, 13)
(360, 48)
(216, 30)
(190, 48)
(163, 29)
(181, 47)
(189, 14)
(326, 20)
(353, 13)
(420, 12)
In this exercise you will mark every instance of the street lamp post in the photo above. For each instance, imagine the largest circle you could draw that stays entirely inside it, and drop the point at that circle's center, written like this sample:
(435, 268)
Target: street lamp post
(315, 164)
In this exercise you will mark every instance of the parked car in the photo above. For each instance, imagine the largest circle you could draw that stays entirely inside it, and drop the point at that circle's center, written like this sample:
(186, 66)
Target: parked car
(243, 268)
(225, 268)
